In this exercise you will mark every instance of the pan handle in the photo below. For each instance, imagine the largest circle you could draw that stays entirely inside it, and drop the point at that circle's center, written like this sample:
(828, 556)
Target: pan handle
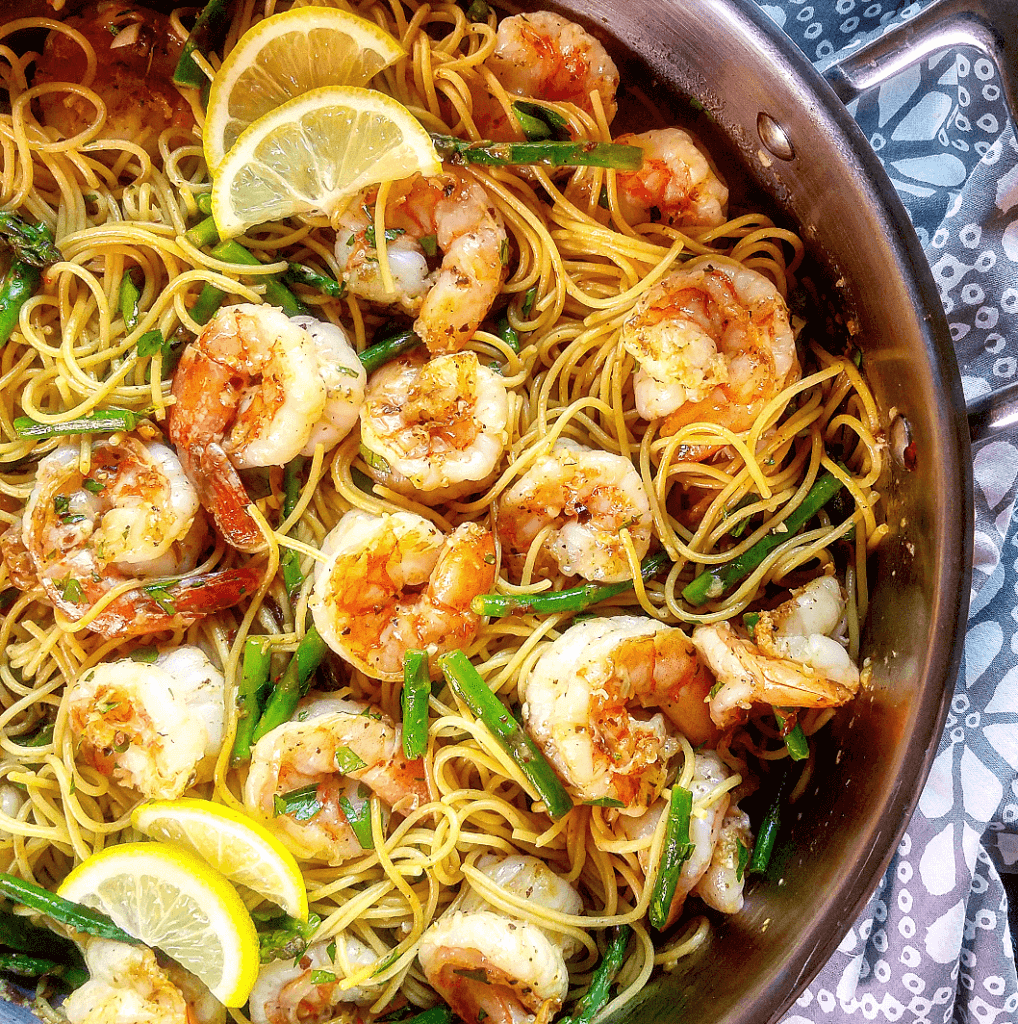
(991, 26)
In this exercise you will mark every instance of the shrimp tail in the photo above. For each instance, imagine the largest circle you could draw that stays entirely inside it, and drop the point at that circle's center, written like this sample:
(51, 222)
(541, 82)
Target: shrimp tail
(215, 591)
(222, 492)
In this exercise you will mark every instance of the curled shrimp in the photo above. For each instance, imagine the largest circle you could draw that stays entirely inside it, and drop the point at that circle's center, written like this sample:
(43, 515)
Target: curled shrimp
(136, 53)
(394, 583)
(449, 214)
(793, 661)
(714, 345)
(585, 702)
(705, 826)
(486, 963)
(347, 750)
(675, 183)
(545, 57)
(134, 516)
(721, 885)
(128, 983)
(583, 498)
(286, 991)
(256, 388)
(156, 727)
(440, 425)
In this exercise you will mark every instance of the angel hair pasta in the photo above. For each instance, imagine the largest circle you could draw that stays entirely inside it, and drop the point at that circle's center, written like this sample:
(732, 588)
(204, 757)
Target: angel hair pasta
(487, 536)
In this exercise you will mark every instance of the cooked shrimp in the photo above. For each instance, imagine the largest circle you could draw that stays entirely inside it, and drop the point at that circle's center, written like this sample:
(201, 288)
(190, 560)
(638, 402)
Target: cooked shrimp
(136, 53)
(587, 497)
(713, 343)
(488, 964)
(675, 184)
(580, 704)
(256, 388)
(333, 744)
(156, 727)
(794, 661)
(286, 994)
(127, 985)
(395, 583)
(440, 425)
(722, 883)
(450, 213)
(135, 516)
(545, 57)
(705, 823)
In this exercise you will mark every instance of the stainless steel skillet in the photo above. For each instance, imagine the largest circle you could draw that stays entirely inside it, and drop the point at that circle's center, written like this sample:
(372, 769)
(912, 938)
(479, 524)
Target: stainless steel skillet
(800, 145)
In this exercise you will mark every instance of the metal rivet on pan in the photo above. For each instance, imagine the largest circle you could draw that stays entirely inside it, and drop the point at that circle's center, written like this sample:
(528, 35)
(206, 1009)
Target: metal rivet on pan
(773, 136)
(902, 445)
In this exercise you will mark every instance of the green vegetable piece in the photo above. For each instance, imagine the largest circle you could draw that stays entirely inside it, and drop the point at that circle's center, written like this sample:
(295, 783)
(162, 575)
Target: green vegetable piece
(301, 804)
(203, 233)
(209, 300)
(32, 243)
(767, 834)
(467, 682)
(359, 820)
(414, 701)
(576, 599)
(677, 850)
(281, 937)
(78, 917)
(153, 342)
(539, 122)
(129, 296)
(292, 684)
(507, 332)
(348, 760)
(254, 683)
(594, 999)
(187, 72)
(546, 153)
(20, 283)
(478, 11)
(429, 243)
(102, 421)
(276, 292)
(740, 868)
(715, 581)
(382, 351)
(795, 739)
(297, 273)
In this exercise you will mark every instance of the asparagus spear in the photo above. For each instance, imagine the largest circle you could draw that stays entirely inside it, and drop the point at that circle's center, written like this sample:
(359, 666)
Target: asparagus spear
(254, 679)
(79, 917)
(102, 421)
(292, 684)
(546, 153)
(576, 599)
(382, 351)
(187, 72)
(593, 1000)
(32, 243)
(414, 700)
(715, 581)
(677, 851)
(467, 682)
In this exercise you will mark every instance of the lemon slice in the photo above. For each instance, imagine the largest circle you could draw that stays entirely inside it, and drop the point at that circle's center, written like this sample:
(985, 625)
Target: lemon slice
(288, 55)
(235, 845)
(169, 898)
(314, 152)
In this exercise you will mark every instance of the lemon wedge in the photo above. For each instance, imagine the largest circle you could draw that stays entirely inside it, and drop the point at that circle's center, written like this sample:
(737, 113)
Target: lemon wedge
(235, 845)
(313, 153)
(170, 898)
(288, 55)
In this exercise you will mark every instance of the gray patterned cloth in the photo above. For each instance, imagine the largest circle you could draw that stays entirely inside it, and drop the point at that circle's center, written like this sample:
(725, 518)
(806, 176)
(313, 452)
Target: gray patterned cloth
(933, 944)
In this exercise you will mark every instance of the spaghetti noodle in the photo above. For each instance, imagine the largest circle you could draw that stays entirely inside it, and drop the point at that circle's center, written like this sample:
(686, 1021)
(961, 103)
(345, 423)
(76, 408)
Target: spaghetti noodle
(605, 296)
